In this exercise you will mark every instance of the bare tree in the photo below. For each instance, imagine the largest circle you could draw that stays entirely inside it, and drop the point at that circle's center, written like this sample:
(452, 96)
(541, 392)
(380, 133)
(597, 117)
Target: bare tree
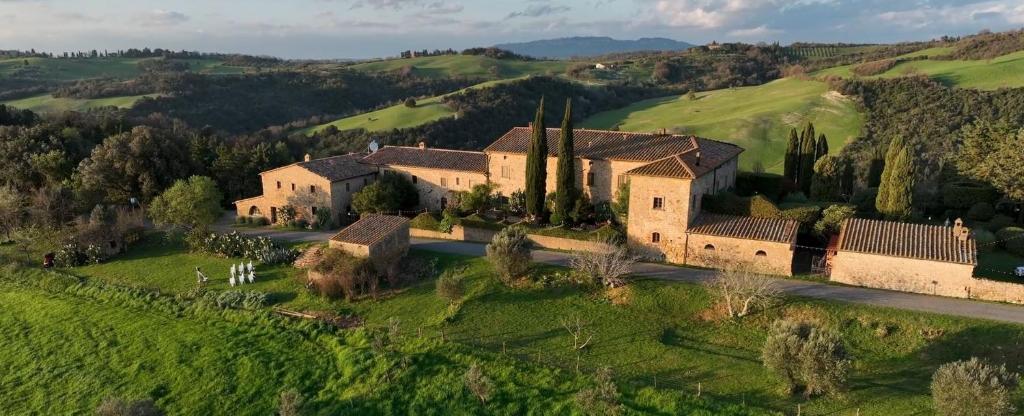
(290, 403)
(576, 327)
(480, 385)
(607, 265)
(742, 291)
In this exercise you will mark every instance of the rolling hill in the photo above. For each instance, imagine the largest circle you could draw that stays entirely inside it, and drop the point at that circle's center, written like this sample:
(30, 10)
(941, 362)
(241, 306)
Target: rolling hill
(1001, 72)
(46, 103)
(473, 66)
(399, 116)
(60, 70)
(757, 118)
(590, 46)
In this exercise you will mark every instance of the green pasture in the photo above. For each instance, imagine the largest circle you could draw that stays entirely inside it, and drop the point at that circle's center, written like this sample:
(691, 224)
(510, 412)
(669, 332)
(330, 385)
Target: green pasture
(46, 103)
(1001, 72)
(472, 66)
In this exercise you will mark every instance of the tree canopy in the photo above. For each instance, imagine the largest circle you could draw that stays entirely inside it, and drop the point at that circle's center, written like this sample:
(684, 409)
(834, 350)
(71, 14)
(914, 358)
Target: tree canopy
(190, 203)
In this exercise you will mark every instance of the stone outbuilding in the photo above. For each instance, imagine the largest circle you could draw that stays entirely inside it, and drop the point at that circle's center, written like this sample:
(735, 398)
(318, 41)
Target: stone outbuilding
(437, 174)
(919, 258)
(381, 238)
(765, 245)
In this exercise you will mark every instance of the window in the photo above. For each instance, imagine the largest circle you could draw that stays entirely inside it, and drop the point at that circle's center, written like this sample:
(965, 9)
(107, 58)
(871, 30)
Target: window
(366, 181)
(709, 247)
(655, 237)
(505, 172)
(348, 187)
(415, 179)
(456, 180)
(278, 184)
(312, 189)
(761, 253)
(590, 178)
(313, 209)
(444, 182)
(620, 180)
(293, 186)
(659, 202)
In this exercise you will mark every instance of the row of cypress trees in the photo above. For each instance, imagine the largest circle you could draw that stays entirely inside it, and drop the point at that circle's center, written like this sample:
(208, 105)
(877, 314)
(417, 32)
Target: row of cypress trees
(895, 198)
(566, 193)
(802, 152)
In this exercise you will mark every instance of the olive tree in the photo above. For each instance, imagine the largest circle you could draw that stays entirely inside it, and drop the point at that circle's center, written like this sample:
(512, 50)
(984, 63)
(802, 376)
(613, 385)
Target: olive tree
(974, 387)
(606, 265)
(742, 291)
(509, 253)
(808, 358)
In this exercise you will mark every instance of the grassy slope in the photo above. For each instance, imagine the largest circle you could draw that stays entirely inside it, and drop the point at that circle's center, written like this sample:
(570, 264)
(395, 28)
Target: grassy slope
(1002, 72)
(74, 69)
(47, 103)
(660, 334)
(757, 118)
(467, 66)
(399, 116)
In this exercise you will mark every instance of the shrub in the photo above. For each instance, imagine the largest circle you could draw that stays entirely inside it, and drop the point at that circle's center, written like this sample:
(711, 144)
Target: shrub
(194, 202)
(342, 275)
(448, 221)
(323, 220)
(601, 399)
(290, 403)
(962, 195)
(391, 192)
(479, 384)
(261, 221)
(69, 255)
(479, 199)
(241, 219)
(509, 253)
(810, 358)
(451, 285)
(795, 198)
(606, 266)
(974, 387)
(410, 102)
(113, 406)
(984, 239)
(864, 199)
(425, 221)
(806, 216)
(998, 222)
(874, 67)
(768, 184)
(982, 211)
(832, 218)
(261, 249)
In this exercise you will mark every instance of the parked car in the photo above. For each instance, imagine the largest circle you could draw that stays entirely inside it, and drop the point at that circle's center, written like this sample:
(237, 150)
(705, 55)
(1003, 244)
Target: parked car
(1019, 272)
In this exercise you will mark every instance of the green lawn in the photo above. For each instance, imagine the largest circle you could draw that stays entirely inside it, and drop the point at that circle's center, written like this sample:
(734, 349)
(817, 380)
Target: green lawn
(1002, 72)
(662, 333)
(999, 265)
(467, 66)
(399, 116)
(757, 118)
(47, 103)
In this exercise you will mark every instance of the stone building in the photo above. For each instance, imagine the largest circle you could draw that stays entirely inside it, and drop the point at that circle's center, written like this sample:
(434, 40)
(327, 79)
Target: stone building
(667, 177)
(907, 257)
(381, 238)
(310, 185)
(436, 173)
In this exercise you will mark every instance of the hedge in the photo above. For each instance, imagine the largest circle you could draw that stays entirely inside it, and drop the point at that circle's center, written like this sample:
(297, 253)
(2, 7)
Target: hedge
(963, 195)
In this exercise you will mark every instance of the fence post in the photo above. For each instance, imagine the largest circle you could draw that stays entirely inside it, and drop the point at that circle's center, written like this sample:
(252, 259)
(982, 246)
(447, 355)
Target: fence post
(442, 334)
(798, 409)
(698, 389)
(655, 380)
(503, 348)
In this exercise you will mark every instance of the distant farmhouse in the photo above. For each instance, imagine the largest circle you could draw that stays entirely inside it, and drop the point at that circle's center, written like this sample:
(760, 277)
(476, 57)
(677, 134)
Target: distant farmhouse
(668, 175)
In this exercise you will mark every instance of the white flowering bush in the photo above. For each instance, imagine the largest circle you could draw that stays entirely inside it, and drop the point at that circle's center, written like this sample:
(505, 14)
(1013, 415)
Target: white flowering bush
(260, 249)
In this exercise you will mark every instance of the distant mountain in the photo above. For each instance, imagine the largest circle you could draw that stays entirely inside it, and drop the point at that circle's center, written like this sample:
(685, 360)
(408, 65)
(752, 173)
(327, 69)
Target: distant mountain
(591, 46)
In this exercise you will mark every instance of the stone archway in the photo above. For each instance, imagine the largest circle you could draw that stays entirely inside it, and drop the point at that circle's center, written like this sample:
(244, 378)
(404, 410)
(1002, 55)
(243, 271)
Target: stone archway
(254, 211)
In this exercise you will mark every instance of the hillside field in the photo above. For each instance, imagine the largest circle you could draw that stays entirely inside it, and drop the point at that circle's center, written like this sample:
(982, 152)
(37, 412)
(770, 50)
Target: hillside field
(60, 69)
(757, 118)
(1006, 71)
(472, 66)
(46, 103)
(399, 116)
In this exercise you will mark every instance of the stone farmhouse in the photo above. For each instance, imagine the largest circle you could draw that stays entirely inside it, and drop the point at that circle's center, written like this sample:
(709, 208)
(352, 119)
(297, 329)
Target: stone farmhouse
(381, 238)
(667, 175)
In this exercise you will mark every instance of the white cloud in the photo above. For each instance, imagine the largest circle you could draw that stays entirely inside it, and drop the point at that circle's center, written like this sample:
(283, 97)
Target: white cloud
(754, 32)
(938, 17)
(161, 17)
(538, 10)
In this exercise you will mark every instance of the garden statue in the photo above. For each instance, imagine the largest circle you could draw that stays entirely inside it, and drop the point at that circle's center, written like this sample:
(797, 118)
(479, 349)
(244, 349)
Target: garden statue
(250, 267)
(233, 270)
(232, 281)
(200, 277)
(252, 276)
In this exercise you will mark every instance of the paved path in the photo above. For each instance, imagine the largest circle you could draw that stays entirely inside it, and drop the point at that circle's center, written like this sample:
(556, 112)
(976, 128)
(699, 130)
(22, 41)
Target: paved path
(900, 300)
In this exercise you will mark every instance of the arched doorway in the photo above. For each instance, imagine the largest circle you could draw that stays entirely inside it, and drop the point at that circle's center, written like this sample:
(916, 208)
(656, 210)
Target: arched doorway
(254, 211)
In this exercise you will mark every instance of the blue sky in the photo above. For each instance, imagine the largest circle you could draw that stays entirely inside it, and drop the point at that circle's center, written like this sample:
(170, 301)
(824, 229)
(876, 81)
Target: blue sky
(371, 28)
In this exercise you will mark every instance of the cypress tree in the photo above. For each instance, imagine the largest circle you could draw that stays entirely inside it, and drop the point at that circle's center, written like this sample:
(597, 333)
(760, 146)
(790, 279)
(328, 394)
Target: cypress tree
(822, 147)
(807, 146)
(826, 185)
(565, 180)
(792, 161)
(884, 186)
(900, 186)
(536, 167)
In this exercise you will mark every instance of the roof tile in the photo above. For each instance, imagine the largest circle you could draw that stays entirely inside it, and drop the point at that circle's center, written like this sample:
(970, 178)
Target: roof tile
(370, 229)
(899, 239)
(750, 228)
(429, 158)
(338, 168)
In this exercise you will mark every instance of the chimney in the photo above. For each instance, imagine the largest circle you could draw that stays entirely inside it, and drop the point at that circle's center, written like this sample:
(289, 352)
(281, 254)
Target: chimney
(307, 158)
(959, 231)
(422, 145)
(698, 158)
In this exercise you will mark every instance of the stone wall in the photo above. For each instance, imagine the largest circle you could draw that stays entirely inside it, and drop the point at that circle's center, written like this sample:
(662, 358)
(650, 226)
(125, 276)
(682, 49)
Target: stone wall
(435, 184)
(391, 248)
(920, 276)
(668, 222)
(478, 235)
(508, 171)
(722, 252)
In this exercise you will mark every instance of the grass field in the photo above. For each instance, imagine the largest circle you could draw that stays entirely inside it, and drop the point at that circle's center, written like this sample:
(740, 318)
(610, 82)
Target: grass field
(399, 116)
(757, 118)
(53, 69)
(467, 66)
(47, 103)
(1002, 72)
(663, 333)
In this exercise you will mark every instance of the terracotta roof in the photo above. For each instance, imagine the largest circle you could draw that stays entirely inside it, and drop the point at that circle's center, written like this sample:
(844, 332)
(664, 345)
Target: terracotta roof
(898, 239)
(429, 158)
(608, 145)
(338, 168)
(704, 157)
(750, 228)
(370, 229)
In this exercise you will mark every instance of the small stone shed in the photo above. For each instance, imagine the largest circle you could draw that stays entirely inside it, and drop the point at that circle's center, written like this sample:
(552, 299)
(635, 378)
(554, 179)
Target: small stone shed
(765, 245)
(381, 238)
(919, 258)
